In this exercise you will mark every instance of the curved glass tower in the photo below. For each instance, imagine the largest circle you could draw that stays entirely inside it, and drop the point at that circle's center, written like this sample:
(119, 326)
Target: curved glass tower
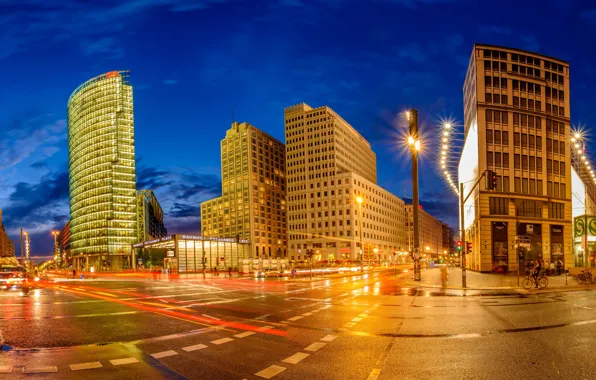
(102, 176)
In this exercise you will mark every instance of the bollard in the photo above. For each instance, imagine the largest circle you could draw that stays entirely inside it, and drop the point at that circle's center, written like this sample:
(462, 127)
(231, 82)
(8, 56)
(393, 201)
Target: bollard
(566, 273)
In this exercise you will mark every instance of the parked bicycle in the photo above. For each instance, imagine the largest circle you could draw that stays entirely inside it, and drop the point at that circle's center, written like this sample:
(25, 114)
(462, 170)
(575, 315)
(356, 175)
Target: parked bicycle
(586, 277)
(540, 282)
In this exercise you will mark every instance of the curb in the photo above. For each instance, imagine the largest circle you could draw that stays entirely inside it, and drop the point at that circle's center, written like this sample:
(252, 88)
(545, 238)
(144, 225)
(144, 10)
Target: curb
(558, 289)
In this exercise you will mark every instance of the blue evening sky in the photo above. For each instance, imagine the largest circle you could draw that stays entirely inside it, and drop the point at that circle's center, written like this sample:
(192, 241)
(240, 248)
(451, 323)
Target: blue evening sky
(194, 61)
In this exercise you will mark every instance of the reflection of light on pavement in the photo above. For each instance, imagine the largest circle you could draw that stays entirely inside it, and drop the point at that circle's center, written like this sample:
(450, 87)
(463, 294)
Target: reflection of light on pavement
(365, 289)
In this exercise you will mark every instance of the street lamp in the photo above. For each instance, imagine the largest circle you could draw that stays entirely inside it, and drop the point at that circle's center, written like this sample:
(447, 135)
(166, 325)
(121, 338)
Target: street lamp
(415, 146)
(360, 200)
(56, 254)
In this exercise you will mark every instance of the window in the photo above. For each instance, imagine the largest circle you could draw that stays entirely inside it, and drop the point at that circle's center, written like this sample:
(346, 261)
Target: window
(525, 185)
(505, 140)
(504, 99)
(498, 206)
(506, 160)
(498, 159)
(549, 188)
(515, 84)
(506, 185)
(563, 192)
(532, 142)
(525, 162)
(516, 139)
(497, 139)
(515, 116)
(532, 186)
(562, 168)
(516, 161)
(489, 158)
(538, 143)
(524, 140)
(562, 148)
(539, 190)
(489, 136)
(556, 210)
(549, 166)
(489, 115)
(549, 145)
(488, 98)
(503, 82)
(539, 164)
(497, 116)
(515, 102)
(529, 208)
(487, 81)
(517, 185)
(532, 163)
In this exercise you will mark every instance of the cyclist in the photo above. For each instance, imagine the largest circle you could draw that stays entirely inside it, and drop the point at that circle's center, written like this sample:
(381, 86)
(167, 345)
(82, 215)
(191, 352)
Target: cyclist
(537, 269)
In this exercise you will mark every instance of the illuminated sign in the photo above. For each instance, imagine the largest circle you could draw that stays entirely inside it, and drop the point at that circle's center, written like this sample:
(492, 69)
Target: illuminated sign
(141, 245)
(112, 74)
(468, 171)
(213, 238)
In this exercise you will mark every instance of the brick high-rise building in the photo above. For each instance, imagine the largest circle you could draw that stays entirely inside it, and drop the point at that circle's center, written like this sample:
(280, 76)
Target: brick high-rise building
(517, 123)
(330, 165)
(253, 201)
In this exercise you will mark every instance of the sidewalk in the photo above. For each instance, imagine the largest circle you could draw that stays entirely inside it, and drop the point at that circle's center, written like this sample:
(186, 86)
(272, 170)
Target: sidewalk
(491, 281)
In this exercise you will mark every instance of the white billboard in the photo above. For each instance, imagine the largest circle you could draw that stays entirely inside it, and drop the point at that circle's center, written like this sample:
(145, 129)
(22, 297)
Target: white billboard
(468, 170)
(578, 194)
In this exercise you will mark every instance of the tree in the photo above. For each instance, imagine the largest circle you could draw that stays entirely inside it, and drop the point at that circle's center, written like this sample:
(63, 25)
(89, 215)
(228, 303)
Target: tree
(310, 253)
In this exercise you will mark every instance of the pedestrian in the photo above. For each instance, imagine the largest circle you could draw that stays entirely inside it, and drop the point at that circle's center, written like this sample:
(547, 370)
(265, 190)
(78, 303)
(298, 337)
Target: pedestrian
(74, 273)
(294, 272)
(230, 271)
(444, 275)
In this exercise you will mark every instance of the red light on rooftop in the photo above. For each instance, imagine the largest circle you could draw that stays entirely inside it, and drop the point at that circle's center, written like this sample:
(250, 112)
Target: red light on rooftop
(112, 74)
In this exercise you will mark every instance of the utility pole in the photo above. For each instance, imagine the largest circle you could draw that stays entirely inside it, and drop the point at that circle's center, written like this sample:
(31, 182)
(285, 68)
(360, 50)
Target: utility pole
(414, 148)
(464, 246)
(22, 249)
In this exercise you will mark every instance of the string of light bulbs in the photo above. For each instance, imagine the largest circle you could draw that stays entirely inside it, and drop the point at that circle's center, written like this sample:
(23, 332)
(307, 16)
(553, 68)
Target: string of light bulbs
(445, 144)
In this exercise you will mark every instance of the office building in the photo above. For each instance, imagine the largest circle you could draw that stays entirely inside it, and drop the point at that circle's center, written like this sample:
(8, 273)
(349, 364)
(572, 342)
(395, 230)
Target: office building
(64, 244)
(329, 166)
(6, 245)
(517, 123)
(102, 173)
(149, 217)
(253, 202)
(430, 233)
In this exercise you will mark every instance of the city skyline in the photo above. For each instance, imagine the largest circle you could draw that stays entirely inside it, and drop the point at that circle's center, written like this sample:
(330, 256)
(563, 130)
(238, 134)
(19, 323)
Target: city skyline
(179, 155)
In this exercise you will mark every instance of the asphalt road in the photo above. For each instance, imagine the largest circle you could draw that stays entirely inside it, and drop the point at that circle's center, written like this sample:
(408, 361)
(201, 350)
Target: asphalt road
(356, 327)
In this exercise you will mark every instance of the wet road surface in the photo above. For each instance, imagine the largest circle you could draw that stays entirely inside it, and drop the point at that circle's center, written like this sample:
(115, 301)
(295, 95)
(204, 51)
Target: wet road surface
(368, 326)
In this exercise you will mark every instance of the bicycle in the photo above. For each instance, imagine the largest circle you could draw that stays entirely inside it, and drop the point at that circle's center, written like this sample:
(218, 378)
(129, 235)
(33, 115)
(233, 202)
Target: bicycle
(540, 282)
(585, 276)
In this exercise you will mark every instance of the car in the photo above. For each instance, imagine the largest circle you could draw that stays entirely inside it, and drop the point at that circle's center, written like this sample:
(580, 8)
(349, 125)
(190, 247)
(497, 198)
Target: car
(15, 277)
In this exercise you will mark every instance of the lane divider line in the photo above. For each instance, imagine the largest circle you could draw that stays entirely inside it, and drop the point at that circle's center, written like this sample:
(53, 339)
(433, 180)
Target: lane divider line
(315, 346)
(124, 361)
(164, 354)
(245, 334)
(194, 348)
(83, 366)
(40, 369)
(329, 338)
(5, 368)
(271, 371)
(374, 374)
(222, 341)
(295, 318)
(296, 358)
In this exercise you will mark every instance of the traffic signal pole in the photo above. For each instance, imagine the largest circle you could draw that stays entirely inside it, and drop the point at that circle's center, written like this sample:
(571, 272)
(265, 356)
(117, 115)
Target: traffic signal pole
(462, 201)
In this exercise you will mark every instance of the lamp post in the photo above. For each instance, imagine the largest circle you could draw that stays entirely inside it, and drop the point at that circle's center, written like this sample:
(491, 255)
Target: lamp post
(414, 144)
(360, 200)
(56, 251)
(27, 248)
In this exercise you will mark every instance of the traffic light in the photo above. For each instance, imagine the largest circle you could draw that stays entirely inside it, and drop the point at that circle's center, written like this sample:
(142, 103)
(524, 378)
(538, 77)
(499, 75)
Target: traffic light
(458, 245)
(468, 247)
(491, 180)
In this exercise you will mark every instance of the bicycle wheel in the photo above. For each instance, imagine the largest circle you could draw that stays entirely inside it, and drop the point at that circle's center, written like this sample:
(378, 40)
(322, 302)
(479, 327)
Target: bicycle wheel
(580, 278)
(542, 282)
(527, 283)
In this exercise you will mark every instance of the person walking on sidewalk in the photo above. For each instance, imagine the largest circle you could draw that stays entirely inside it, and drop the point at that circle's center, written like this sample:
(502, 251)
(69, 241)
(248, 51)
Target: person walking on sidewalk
(444, 275)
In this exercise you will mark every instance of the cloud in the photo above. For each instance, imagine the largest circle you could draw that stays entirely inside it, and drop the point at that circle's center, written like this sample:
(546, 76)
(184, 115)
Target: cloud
(38, 207)
(104, 46)
(27, 136)
(416, 3)
(169, 81)
(95, 23)
(181, 210)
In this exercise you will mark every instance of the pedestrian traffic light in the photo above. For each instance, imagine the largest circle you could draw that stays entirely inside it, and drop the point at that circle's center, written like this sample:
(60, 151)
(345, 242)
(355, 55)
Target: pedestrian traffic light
(491, 180)
(468, 247)
(459, 245)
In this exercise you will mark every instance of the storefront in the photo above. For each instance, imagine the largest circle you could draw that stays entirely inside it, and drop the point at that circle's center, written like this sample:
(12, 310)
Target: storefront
(556, 246)
(584, 241)
(193, 253)
(532, 232)
(500, 250)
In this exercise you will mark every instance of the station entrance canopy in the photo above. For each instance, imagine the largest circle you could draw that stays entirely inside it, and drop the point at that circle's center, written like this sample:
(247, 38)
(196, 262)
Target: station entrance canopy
(193, 253)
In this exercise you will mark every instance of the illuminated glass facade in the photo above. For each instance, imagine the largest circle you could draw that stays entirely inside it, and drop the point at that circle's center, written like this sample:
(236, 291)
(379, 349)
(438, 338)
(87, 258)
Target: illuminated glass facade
(102, 176)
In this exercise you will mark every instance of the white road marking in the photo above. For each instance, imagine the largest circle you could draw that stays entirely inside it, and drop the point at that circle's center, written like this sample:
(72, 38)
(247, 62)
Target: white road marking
(265, 328)
(245, 334)
(307, 314)
(357, 319)
(5, 368)
(329, 338)
(269, 372)
(194, 348)
(124, 361)
(295, 318)
(164, 354)
(315, 346)
(296, 358)
(284, 322)
(82, 366)
(325, 307)
(363, 315)
(209, 316)
(40, 369)
(263, 316)
(222, 341)
(315, 311)
(349, 324)
(374, 374)
(342, 329)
